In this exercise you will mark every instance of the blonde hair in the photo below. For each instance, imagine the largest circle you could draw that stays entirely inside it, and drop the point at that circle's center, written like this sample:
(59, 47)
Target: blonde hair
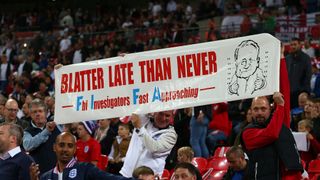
(187, 151)
(307, 123)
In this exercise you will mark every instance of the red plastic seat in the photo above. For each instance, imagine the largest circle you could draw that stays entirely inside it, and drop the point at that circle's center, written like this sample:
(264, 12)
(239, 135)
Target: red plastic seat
(221, 151)
(315, 177)
(200, 163)
(314, 168)
(218, 164)
(214, 175)
(165, 174)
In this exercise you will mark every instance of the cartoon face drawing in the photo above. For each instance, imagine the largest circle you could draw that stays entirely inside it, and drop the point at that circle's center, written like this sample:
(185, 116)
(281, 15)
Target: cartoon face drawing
(247, 59)
(248, 76)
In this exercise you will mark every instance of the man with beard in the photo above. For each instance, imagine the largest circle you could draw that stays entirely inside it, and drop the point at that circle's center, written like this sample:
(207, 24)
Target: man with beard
(268, 140)
(67, 166)
(14, 162)
(248, 77)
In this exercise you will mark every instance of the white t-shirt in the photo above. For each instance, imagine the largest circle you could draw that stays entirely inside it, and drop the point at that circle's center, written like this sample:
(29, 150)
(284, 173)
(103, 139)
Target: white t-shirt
(4, 72)
(64, 44)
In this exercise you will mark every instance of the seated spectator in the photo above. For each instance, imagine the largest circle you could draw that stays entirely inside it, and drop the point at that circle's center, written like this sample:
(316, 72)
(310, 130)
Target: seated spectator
(10, 112)
(314, 149)
(238, 165)
(185, 154)
(186, 171)
(310, 109)
(119, 149)
(143, 173)
(311, 112)
(88, 149)
(240, 127)
(297, 113)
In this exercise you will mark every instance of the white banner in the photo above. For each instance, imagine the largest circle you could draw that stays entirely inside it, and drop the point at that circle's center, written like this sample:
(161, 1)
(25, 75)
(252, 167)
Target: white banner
(168, 78)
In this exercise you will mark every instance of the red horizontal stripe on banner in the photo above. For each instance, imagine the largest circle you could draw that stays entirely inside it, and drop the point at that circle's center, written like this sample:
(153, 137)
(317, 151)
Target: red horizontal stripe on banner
(67, 106)
(208, 88)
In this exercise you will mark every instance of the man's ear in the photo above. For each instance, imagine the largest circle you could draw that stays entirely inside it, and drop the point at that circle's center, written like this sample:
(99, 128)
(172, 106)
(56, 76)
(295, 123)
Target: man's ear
(13, 139)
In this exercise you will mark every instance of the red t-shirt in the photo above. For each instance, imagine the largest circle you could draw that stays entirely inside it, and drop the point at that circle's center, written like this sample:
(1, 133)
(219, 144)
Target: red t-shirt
(88, 151)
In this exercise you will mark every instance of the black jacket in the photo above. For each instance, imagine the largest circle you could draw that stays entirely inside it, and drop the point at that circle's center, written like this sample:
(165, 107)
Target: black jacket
(299, 71)
(106, 142)
(264, 162)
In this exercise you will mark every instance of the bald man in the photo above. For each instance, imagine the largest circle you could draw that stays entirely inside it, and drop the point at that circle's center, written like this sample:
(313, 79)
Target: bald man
(67, 166)
(10, 112)
(267, 140)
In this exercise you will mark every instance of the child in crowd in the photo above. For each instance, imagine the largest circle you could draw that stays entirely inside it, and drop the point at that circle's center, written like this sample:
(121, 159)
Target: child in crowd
(144, 173)
(119, 149)
(307, 126)
(185, 154)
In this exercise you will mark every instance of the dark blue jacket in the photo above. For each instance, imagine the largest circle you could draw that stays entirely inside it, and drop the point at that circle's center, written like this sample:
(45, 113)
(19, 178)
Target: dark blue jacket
(16, 168)
(316, 90)
(82, 171)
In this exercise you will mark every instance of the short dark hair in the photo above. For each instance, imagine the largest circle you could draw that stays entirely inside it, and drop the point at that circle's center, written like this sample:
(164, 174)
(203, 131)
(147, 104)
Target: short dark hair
(235, 150)
(125, 126)
(191, 168)
(142, 170)
(295, 39)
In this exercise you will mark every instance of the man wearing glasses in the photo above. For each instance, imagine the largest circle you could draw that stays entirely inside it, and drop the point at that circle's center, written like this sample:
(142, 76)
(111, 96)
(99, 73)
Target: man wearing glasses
(10, 111)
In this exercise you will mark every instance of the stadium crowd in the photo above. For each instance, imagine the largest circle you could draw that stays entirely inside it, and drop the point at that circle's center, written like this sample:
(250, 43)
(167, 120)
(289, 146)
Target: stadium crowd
(163, 144)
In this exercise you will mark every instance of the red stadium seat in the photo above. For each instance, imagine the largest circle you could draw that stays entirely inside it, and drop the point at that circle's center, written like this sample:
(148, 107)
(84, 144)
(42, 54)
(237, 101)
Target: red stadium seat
(165, 174)
(314, 168)
(315, 177)
(200, 163)
(221, 151)
(207, 174)
(214, 175)
(218, 164)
